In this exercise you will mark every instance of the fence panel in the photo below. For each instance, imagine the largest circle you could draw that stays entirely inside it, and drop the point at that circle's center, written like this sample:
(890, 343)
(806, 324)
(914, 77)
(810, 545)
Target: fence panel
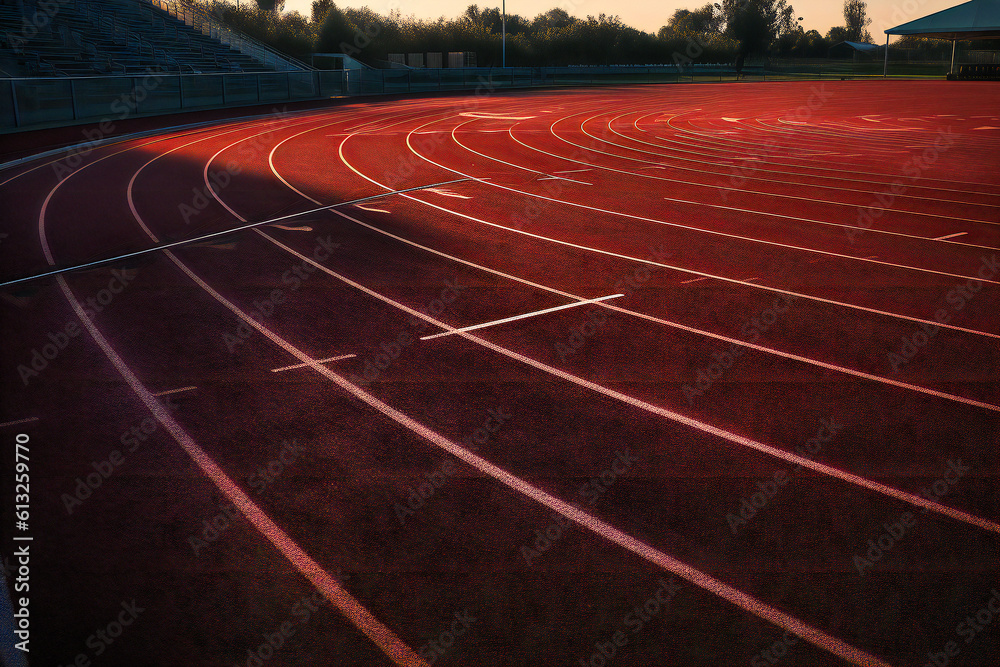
(41, 101)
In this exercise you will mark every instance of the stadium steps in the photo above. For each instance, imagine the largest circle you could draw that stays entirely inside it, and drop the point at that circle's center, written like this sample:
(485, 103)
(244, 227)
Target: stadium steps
(95, 37)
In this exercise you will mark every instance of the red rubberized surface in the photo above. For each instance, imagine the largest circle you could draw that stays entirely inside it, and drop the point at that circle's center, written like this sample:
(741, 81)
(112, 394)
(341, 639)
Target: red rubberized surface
(778, 445)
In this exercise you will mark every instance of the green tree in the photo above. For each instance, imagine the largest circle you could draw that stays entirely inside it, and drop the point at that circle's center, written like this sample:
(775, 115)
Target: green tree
(320, 8)
(271, 5)
(857, 21)
(756, 24)
(337, 33)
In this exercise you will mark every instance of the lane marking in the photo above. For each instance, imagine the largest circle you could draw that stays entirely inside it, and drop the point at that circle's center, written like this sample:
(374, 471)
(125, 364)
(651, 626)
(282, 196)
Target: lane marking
(174, 391)
(353, 611)
(447, 193)
(381, 635)
(198, 239)
(693, 280)
(702, 580)
(608, 253)
(674, 416)
(563, 178)
(702, 161)
(371, 209)
(301, 228)
(19, 421)
(318, 361)
(721, 188)
(521, 317)
(950, 236)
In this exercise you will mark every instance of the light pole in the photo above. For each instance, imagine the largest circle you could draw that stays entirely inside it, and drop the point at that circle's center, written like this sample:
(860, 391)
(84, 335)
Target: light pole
(503, 38)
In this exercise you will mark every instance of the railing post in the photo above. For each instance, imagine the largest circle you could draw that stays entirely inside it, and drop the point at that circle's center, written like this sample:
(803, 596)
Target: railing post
(13, 99)
(72, 98)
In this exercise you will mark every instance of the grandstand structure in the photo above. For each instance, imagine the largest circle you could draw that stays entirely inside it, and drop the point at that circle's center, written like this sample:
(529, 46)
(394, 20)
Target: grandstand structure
(52, 38)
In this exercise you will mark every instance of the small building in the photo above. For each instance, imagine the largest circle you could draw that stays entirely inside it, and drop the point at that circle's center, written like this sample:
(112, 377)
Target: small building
(853, 51)
(461, 59)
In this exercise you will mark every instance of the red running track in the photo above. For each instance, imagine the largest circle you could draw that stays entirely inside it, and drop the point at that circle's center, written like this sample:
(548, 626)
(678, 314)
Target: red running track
(755, 420)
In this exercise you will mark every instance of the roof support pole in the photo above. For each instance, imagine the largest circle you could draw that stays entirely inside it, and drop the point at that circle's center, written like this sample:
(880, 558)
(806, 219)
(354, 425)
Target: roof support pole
(952, 70)
(885, 67)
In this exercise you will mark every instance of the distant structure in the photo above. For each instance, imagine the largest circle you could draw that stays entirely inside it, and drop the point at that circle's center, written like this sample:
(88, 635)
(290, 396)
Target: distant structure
(432, 59)
(853, 50)
(978, 19)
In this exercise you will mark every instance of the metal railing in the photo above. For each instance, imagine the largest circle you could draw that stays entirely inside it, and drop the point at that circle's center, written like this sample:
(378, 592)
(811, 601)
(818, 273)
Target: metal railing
(46, 102)
(205, 23)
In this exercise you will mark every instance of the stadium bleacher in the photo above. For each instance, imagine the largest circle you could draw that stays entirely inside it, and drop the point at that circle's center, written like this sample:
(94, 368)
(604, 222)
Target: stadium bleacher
(102, 37)
(979, 73)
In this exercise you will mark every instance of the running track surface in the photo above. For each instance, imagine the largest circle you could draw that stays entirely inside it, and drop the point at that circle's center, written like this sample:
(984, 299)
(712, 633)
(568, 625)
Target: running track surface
(774, 442)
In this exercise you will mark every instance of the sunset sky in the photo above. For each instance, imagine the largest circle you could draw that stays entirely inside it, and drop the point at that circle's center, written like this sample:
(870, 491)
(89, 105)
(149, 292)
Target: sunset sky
(820, 15)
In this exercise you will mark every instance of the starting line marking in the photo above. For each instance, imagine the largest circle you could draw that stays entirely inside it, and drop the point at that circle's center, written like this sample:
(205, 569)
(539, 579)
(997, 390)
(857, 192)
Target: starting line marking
(318, 361)
(174, 391)
(563, 178)
(19, 421)
(521, 317)
(950, 236)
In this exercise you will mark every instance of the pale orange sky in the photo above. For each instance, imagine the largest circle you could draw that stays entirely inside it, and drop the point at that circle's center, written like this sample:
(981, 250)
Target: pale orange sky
(649, 16)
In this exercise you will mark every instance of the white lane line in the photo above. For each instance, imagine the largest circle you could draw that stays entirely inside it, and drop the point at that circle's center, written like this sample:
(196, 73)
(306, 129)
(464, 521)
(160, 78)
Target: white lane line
(19, 421)
(570, 171)
(371, 209)
(663, 412)
(608, 253)
(352, 610)
(750, 280)
(700, 168)
(650, 318)
(300, 228)
(521, 317)
(174, 391)
(950, 236)
(445, 192)
(309, 568)
(584, 519)
(721, 188)
(563, 178)
(693, 280)
(318, 361)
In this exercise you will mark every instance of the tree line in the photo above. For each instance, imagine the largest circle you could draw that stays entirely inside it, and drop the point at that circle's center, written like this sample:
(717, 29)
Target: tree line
(718, 32)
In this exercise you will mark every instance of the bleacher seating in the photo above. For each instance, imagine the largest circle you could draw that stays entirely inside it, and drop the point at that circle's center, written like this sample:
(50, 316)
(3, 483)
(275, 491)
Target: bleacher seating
(101, 37)
(979, 73)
